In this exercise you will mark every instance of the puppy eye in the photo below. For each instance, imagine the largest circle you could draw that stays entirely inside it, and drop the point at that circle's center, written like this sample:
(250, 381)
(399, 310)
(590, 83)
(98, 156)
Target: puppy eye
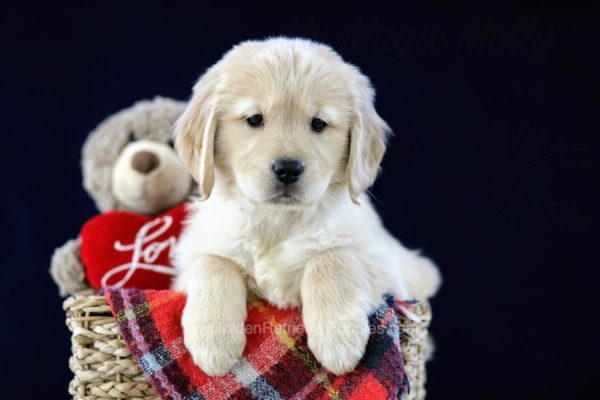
(317, 125)
(171, 143)
(131, 136)
(255, 121)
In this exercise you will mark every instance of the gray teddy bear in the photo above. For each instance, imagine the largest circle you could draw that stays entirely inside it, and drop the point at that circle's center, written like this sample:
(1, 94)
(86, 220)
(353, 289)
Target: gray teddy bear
(128, 163)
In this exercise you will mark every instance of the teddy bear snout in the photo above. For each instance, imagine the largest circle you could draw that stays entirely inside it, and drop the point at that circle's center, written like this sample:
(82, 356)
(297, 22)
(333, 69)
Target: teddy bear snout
(145, 161)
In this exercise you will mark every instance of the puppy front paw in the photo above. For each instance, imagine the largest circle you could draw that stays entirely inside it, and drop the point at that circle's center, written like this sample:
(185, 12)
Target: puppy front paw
(338, 344)
(216, 346)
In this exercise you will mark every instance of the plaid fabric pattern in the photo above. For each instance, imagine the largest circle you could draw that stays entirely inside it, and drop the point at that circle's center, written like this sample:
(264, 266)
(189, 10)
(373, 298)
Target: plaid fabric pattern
(277, 363)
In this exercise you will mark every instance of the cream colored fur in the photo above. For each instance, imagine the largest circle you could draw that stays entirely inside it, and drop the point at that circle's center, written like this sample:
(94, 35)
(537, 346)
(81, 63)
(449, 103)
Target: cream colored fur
(321, 247)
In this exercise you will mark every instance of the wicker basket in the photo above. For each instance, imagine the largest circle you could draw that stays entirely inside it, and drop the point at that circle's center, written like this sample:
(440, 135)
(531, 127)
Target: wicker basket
(104, 368)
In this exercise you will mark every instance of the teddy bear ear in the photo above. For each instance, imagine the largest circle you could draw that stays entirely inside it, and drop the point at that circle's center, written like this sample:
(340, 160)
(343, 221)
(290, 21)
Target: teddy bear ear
(100, 152)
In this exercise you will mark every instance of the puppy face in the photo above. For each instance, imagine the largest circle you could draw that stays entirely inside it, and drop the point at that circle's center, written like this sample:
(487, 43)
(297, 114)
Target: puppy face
(282, 121)
(283, 134)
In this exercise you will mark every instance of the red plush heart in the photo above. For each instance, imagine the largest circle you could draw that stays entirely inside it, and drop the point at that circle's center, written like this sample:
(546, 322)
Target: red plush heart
(125, 249)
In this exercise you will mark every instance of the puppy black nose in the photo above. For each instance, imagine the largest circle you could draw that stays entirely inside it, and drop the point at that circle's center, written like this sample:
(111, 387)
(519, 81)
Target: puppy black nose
(144, 162)
(288, 170)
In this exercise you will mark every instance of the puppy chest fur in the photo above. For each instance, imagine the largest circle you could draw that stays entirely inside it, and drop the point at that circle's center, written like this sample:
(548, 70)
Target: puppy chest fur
(271, 247)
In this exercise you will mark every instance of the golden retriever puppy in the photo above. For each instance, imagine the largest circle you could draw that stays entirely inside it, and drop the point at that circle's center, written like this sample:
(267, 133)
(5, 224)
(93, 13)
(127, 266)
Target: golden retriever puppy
(283, 139)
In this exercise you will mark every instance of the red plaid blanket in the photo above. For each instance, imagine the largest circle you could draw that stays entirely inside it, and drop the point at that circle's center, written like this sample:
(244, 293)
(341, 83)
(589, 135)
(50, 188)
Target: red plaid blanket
(277, 363)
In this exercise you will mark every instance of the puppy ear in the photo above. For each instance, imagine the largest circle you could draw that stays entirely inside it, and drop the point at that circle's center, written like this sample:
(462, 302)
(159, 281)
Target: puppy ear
(194, 133)
(368, 139)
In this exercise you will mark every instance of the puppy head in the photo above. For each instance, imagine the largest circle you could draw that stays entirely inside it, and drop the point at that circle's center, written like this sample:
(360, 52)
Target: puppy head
(283, 121)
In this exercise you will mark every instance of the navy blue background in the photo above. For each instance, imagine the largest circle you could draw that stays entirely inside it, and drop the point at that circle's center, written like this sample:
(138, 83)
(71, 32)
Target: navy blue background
(490, 170)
